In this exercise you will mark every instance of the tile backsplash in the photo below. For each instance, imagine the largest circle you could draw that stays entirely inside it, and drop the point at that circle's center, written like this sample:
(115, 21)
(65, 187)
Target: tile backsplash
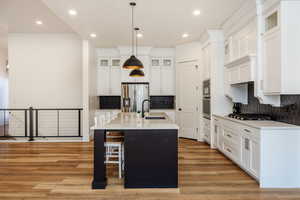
(289, 112)
(162, 102)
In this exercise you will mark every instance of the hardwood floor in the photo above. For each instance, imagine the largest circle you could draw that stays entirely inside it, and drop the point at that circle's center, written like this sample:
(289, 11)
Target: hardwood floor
(64, 171)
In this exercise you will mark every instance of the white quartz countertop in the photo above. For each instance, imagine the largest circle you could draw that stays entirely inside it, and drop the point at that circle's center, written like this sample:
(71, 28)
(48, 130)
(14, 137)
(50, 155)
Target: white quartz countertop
(131, 121)
(265, 125)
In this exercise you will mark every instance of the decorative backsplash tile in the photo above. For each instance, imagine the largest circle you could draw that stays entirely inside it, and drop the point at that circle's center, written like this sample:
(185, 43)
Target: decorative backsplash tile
(289, 112)
(110, 102)
(162, 102)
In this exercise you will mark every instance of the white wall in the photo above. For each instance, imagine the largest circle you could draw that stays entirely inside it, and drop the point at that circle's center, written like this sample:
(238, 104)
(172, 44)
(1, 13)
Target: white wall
(3, 83)
(90, 99)
(45, 70)
(188, 52)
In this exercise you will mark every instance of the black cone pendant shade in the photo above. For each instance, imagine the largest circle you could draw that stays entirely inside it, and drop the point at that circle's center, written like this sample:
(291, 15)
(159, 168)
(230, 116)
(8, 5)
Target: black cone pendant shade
(133, 62)
(136, 73)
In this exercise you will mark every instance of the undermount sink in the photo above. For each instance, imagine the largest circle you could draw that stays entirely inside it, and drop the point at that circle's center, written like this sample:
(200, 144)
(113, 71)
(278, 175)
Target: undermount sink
(155, 117)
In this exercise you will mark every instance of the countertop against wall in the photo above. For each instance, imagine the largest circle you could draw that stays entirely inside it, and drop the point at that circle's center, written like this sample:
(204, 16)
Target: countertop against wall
(265, 125)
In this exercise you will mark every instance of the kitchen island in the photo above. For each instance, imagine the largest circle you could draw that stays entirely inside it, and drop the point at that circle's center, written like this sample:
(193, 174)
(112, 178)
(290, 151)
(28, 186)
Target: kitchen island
(150, 145)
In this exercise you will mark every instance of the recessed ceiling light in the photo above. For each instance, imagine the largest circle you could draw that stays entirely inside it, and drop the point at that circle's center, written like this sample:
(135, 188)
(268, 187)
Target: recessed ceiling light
(38, 22)
(139, 35)
(185, 35)
(72, 12)
(196, 12)
(93, 35)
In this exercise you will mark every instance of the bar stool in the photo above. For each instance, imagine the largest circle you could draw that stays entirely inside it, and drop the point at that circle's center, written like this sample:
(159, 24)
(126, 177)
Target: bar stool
(114, 143)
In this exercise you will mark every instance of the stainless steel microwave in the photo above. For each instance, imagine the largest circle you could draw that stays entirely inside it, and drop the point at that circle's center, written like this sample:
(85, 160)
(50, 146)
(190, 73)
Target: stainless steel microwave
(206, 88)
(206, 99)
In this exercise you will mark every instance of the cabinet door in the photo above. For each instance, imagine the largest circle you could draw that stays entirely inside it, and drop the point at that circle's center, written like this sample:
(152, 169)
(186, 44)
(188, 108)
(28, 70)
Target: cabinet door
(245, 152)
(167, 77)
(235, 47)
(243, 46)
(254, 165)
(215, 137)
(220, 138)
(115, 80)
(272, 63)
(206, 62)
(206, 130)
(103, 82)
(155, 81)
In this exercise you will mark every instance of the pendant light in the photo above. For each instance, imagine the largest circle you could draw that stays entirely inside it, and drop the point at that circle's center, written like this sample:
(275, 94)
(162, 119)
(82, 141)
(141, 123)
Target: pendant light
(133, 62)
(136, 72)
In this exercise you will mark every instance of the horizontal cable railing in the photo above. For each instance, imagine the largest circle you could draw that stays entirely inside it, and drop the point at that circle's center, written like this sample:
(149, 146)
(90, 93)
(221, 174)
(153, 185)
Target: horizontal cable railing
(41, 122)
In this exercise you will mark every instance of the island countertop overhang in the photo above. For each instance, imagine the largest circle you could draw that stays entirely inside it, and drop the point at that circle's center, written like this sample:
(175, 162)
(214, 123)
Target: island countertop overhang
(131, 121)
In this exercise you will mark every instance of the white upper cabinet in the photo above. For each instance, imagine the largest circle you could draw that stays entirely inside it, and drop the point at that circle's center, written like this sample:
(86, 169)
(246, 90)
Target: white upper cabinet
(240, 62)
(155, 80)
(206, 62)
(103, 76)
(115, 76)
(272, 63)
(162, 80)
(158, 69)
(280, 49)
(109, 76)
(241, 70)
(241, 44)
(167, 77)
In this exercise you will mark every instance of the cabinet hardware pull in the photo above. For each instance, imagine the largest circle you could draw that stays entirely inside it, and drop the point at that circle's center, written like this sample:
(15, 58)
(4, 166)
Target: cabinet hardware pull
(229, 136)
(247, 144)
(229, 150)
(247, 130)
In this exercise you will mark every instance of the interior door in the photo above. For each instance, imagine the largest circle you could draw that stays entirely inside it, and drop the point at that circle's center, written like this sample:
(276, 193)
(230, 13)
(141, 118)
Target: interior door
(188, 99)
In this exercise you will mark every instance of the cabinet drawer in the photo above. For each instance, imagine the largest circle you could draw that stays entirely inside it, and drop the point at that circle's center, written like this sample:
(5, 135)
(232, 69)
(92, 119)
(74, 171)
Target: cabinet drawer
(251, 132)
(231, 136)
(206, 123)
(206, 134)
(232, 151)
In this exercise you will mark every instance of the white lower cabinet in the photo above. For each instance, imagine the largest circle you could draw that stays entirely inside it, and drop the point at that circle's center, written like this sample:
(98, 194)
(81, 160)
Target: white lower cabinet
(206, 130)
(239, 143)
(216, 135)
(254, 158)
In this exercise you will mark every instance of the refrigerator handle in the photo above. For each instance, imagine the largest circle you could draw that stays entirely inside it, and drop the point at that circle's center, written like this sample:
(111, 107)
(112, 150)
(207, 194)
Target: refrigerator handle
(126, 102)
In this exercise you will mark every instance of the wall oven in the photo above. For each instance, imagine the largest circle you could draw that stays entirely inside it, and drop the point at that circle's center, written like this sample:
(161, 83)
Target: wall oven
(206, 99)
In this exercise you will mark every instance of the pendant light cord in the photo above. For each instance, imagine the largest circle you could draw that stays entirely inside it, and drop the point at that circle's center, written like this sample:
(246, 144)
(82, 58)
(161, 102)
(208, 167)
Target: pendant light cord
(132, 28)
(136, 41)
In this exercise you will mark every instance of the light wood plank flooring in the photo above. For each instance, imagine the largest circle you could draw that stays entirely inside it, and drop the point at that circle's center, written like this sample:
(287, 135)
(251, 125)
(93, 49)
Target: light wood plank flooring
(64, 171)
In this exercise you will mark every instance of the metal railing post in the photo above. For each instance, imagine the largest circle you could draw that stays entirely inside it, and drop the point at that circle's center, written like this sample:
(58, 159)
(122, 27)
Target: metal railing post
(31, 124)
(26, 123)
(79, 123)
(36, 123)
(4, 123)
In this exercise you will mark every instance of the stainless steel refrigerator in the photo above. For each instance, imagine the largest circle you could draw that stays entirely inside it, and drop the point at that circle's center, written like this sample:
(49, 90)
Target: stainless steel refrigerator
(133, 95)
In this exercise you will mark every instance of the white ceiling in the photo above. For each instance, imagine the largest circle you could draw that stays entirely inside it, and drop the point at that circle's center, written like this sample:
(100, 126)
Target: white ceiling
(162, 21)
(20, 17)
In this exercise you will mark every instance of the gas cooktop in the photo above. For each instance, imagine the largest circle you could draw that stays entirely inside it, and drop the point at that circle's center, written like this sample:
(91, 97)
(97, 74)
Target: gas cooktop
(250, 116)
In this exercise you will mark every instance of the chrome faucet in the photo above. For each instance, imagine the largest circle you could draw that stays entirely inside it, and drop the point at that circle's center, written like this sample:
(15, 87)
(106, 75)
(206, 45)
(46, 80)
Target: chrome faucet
(143, 109)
